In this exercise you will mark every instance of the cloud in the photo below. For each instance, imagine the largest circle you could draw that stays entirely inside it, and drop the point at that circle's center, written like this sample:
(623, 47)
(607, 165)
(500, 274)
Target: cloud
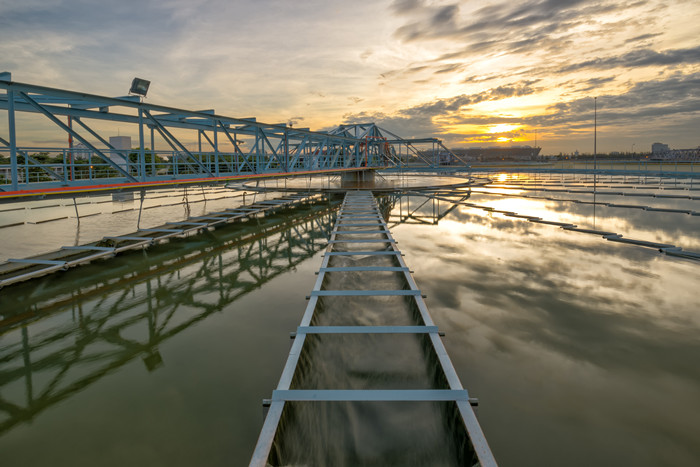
(589, 84)
(675, 96)
(637, 59)
(643, 37)
(450, 68)
(511, 21)
(429, 118)
(446, 106)
(405, 6)
(454, 104)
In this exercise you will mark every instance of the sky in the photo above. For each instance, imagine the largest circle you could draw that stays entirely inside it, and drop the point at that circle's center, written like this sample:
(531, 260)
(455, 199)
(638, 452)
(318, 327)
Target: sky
(472, 73)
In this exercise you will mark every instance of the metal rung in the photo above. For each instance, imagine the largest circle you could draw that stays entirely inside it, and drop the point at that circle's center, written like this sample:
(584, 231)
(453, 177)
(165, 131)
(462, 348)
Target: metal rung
(366, 329)
(218, 213)
(559, 224)
(129, 238)
(88, 247)
(358, 216)
(383, 240)
(363, 268)
(618, 238)
(38, 261)
(589, 231)
(681, 211)
(361, 253)
(188, 223)
(407, 395)
(361, 232)
(363, 293)
(162, 230)
(378, 224)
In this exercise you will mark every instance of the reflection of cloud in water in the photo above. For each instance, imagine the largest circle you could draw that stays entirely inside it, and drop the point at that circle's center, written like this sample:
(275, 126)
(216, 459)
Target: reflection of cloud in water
(585, 297)
(579, 348)
(672, 228)
(650, 225)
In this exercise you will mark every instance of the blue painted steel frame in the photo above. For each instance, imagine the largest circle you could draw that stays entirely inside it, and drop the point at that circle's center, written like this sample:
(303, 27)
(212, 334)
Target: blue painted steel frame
(273, 149)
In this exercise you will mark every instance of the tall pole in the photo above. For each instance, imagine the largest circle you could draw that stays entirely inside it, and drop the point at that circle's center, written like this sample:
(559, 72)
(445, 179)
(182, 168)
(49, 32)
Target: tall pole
(595, 152)
(595, 132)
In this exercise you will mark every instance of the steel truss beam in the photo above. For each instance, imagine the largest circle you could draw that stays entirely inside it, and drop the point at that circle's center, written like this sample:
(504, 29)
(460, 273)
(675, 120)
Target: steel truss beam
(273, 148)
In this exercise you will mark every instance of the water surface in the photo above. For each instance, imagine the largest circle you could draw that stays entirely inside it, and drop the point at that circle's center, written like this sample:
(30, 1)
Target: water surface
(582, 351)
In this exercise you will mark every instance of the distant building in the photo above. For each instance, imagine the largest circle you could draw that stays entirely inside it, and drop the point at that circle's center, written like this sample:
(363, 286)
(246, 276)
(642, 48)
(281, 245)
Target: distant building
(659, 148)
(123, 145)
(80, 151)
(685, 154)
(517, 153)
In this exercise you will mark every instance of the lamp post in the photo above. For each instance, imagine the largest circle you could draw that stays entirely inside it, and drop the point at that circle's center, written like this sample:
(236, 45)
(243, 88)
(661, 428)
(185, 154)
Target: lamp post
(595, 152)
(595, 133)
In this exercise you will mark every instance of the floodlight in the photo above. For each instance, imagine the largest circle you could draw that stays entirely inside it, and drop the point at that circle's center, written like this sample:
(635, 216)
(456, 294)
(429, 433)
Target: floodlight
(139, 86)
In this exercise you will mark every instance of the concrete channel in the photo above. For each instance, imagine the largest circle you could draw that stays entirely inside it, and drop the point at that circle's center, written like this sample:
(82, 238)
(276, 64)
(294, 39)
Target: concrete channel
(367, 369)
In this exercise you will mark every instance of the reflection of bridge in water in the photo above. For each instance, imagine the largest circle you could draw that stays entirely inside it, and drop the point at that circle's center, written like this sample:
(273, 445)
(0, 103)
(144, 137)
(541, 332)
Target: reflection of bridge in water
(157, 295)
(421, 208)
(175, 287)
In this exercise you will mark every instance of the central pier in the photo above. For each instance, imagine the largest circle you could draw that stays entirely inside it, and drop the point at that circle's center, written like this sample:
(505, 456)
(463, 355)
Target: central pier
(368, 380)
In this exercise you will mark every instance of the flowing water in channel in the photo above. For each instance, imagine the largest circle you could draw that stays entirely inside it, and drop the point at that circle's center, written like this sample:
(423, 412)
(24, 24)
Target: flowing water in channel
(368, 433)
(582, 351)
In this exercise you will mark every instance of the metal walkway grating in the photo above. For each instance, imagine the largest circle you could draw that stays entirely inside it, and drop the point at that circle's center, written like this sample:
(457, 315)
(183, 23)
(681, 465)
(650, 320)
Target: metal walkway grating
(22, 269)
(358, 205)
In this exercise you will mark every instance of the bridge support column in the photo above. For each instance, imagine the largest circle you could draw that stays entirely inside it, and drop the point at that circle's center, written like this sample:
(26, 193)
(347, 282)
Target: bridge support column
(13, 140)
(361, 178)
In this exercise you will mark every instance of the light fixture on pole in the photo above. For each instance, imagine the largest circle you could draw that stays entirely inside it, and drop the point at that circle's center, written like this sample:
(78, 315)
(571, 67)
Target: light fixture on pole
(139, 87)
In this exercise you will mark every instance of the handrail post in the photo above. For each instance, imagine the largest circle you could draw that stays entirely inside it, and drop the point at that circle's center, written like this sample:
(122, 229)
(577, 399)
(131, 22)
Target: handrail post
(13, 138)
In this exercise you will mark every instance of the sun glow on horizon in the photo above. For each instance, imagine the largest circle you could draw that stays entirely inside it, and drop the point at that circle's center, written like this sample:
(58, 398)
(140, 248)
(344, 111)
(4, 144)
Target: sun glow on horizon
(502, 128)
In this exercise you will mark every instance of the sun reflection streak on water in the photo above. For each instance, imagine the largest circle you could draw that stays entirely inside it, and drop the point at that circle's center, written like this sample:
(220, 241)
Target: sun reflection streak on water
(564, 336)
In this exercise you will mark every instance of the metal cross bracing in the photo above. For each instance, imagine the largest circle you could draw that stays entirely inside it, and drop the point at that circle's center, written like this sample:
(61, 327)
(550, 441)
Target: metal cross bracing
(226, 147)
(21, 269)
(172, 290)
(415, 208)
(359, 215)
(403, 153)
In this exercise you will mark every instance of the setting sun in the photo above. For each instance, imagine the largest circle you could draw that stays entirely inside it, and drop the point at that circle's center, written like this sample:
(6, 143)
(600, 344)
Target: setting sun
(503, 128)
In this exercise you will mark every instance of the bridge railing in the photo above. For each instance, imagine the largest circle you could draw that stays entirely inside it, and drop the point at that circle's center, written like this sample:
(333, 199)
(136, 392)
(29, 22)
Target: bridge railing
(226, 146)
(65, 166)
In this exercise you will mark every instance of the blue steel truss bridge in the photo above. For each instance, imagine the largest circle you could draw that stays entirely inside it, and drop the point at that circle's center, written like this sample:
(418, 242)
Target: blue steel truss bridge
(163, 154)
